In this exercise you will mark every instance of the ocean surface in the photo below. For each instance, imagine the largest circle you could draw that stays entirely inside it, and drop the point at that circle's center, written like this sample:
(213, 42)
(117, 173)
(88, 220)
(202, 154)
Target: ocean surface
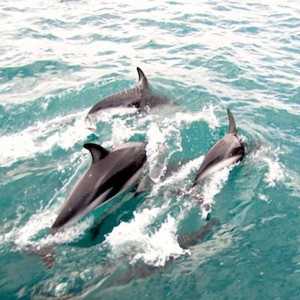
(59, 58)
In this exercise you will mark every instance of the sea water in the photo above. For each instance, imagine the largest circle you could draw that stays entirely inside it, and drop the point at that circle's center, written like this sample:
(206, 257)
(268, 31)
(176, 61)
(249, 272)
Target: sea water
(59, 58)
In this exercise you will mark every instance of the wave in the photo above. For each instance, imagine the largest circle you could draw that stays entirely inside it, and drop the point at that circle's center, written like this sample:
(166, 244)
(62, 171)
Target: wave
(42, 137)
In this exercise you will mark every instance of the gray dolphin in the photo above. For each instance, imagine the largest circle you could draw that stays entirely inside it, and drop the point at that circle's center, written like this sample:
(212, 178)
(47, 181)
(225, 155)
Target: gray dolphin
(229, 150)
(140, 97)
(111, 173)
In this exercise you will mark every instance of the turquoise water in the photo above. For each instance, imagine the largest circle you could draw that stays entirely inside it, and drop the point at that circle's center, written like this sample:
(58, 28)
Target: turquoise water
(58, 58)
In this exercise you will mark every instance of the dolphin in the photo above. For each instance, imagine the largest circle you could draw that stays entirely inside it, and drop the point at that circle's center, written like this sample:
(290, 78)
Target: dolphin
(110, 174)
(228, 150)
(140, 97)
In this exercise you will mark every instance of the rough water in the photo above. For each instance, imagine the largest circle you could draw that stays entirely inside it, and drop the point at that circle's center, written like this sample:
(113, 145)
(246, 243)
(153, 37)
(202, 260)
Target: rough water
(59, 58)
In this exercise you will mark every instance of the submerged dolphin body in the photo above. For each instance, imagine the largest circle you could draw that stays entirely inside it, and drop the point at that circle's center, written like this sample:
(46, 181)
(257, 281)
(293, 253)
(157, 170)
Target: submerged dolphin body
(129, 272)
(111, 173)
(140, 97)
(229, 150)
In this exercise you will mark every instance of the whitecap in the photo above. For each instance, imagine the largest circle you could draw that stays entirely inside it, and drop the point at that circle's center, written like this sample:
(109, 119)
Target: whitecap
(42, 137)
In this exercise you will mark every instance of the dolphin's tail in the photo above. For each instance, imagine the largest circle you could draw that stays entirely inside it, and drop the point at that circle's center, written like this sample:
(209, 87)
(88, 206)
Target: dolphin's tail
(45, 253)
(189, 240)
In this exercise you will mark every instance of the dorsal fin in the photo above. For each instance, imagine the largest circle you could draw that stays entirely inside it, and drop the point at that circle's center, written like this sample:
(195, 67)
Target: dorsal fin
(232, 126)
(97, 151)
(143, 82)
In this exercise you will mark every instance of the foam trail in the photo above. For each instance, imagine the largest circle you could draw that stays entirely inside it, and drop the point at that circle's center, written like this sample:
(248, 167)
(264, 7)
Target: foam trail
(178, 177)
(26, 235)
(207, 114)
(42, 137)
(212, 187)
(275, 171)
(134, 239)
(164, 141)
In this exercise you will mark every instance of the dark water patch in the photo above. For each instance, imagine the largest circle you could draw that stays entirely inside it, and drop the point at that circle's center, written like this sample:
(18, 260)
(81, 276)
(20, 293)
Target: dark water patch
(14, 281)
(110, 38)
(277, 122)
(291, 22)
(33, 69)
(152, 44)
(25, 32)
(196, 98)
(252, 29)
(112, 217)
(247, 84)
(15, 9)
(107, 52)
(197, 62)
(198, 18)
(48, 37)
(180, 29)
(290, 49)
(98, 19)
(222, 65)
(46, 23)
(222, 8)
(196, 140)
(41, 32)
(295, 95)
(185, 49)
(183, 17)
(19, 118)
(174, 3)
(204, 20)
(295, 37)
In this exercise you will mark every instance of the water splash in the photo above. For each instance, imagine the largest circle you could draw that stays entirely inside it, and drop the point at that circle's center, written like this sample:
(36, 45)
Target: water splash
(135, 239)
(42, 137)
(212, 187)
(275, 169)
(206, 114)
(164, 141)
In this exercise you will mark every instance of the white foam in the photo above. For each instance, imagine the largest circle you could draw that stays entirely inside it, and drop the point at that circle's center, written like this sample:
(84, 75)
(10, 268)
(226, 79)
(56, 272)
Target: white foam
(164, 141)
(68, 234)
(42, 137)
(120, 132)
(179, 177)
(161, 245)
(212, 186)
(275, 171)
(25, 235)
(135, 239)
(207, 114)
(161, 131)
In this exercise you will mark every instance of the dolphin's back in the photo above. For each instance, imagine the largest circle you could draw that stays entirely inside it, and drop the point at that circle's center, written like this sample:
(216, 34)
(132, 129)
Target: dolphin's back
(150, 98)
(141, 97)
(226, 151)
(125, 98)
